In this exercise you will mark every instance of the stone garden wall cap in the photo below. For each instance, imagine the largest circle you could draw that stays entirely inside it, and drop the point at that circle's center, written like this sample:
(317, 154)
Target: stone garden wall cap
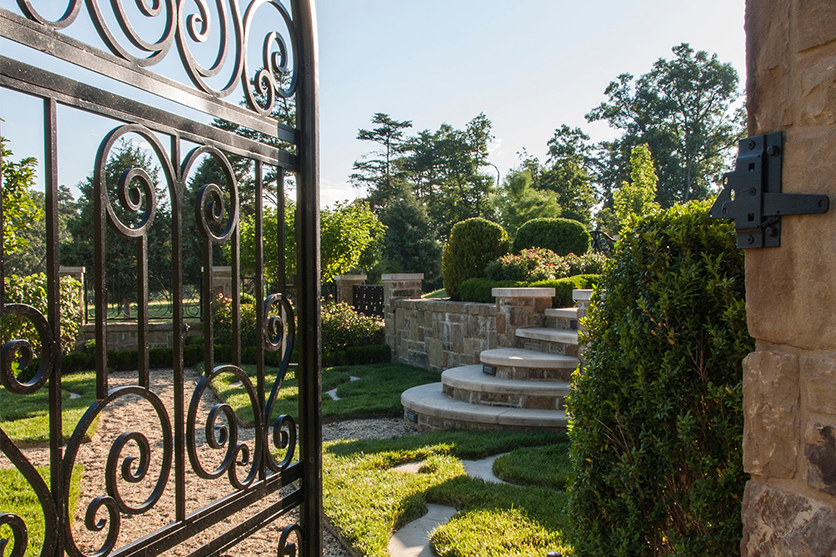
(582, 295)
(524, 292)
(350, 277)
(404, 276)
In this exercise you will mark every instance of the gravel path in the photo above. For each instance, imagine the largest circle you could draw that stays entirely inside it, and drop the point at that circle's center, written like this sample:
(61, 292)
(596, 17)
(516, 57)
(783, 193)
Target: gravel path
(134, 414)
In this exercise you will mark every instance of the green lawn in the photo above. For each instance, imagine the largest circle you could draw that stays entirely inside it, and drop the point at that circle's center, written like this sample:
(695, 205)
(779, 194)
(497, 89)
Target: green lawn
(19, 498)
(440, 293)
(25, 418)
(377, 392)
(366, 500)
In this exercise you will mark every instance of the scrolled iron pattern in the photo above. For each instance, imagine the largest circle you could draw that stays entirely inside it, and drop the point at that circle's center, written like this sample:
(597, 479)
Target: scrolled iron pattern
(188, 22)
(286, 547)
(132, 470)
(209, 205)
(220, 437)
(278, 329)
(20, 535)
(139, 199)
(20, 351)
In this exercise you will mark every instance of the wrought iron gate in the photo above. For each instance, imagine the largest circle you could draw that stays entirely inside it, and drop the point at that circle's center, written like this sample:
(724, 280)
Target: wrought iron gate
(265, 51)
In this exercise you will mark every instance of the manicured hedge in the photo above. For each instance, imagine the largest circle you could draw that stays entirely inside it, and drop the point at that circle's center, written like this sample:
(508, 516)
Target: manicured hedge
(562, 236)
(658, 407)
(473, 244)
(479, 289)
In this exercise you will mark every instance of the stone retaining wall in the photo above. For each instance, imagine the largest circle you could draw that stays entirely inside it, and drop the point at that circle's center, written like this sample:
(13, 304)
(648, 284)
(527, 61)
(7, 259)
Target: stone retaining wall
(439, 334)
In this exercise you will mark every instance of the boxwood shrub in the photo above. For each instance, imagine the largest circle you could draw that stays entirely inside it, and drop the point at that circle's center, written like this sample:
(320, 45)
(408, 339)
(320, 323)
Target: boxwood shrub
(562, 236)
(479, 289)
(473, 244)
(657, 409)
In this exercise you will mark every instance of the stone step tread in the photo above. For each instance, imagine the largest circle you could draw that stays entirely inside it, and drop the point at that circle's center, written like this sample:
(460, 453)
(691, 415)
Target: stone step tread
(471, 378)
(429, 400)
(549, 334)
(520, 357)
(565, 313)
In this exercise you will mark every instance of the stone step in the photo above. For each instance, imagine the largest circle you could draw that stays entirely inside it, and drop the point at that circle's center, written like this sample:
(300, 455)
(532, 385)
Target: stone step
(469, 384)
(548, 334)
(521, 364)
(562, 313)
(426, 407)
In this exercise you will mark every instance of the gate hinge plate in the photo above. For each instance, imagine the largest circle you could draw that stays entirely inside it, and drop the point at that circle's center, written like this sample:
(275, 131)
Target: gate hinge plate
(752, 194)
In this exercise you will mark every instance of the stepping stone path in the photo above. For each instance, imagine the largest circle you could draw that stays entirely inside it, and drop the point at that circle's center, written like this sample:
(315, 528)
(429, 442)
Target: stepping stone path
(333, 392)
(413, 540)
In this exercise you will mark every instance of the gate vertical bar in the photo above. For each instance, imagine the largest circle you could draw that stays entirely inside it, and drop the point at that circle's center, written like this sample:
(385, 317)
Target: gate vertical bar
(54, 309)
(308, 267)
(178, 335)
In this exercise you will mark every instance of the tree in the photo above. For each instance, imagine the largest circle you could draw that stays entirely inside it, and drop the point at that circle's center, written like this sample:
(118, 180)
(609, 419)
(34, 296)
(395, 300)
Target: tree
(19, 208)
(684, 110)
(637, 197)
(517, 201)
(407, 246)
(347, 231)
(380, 171)
(567, 173)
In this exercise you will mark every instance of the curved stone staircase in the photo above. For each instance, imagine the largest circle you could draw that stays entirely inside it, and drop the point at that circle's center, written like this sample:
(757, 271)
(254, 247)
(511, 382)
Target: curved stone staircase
(523, 386)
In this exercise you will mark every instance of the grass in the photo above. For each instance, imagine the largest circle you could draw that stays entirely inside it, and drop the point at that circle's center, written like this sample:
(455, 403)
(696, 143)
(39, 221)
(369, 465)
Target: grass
(440, 293)
(25, 418)
(377, 391)
(366, 500)
(18, 497)
(547, 466)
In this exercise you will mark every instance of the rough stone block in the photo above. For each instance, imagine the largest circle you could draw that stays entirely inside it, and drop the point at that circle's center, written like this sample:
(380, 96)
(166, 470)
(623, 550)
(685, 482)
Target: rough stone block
(771, 404)
(818, 383)
(820, 452)
(814, 23)
(780, 523)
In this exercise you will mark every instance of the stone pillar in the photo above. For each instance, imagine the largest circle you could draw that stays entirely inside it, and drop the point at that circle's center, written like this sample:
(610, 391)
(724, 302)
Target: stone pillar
(519, 307)
(78, 274)
(789, 382)
(222, 281)
(345, 287)
(397, 287)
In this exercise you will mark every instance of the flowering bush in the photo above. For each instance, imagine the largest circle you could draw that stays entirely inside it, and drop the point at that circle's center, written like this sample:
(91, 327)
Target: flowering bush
(222, 320)
(529, 265)
(342, 327)
(587, 264)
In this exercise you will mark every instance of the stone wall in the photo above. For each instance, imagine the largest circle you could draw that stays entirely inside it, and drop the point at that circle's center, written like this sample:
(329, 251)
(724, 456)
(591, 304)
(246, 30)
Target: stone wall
(790, 380)
(439, 334)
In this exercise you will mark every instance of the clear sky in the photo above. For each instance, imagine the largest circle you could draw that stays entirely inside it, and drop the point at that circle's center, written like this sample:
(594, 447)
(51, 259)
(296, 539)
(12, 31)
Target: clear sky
(529, 65)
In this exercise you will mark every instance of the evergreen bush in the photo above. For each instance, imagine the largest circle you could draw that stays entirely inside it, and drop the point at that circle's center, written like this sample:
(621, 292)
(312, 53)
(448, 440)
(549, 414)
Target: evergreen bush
(562, 236)
(473, 244)
(657, 409)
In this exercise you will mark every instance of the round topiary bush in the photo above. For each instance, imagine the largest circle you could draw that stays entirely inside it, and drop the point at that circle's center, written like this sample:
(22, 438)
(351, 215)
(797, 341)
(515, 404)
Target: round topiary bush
(562, 236)
(473, 244)
(658, 407)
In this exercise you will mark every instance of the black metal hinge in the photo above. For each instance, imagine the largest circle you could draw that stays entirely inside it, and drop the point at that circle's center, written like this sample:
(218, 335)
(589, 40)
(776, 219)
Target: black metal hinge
(752, 194)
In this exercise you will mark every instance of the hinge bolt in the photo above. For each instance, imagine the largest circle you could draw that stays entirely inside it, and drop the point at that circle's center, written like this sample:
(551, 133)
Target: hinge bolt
(773, 150)
(752, 144)
(750, 240)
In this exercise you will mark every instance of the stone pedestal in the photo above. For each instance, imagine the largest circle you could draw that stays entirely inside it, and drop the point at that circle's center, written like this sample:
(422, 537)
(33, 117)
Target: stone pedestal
(221, 281)
(398, 286)
(345, 287)
(789, 383)
(78, 274)
(519, 307)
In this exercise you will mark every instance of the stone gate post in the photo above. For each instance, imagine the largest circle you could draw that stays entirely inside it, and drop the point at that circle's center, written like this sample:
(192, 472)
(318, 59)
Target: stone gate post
(789, 382)
(397, 287)
(345, 287)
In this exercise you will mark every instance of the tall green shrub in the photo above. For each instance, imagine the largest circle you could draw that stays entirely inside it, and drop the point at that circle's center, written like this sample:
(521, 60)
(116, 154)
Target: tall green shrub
(562, 236)
(473, 244)
(657, 410)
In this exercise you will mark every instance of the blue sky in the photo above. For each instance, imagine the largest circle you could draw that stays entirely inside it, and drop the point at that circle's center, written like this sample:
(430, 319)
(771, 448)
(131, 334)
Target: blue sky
(529, 65)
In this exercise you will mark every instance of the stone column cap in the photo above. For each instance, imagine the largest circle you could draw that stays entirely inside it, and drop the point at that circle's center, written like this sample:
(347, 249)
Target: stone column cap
(403, 276)
(522, 292)
(350, 277)
(64, 270)
(582, 295)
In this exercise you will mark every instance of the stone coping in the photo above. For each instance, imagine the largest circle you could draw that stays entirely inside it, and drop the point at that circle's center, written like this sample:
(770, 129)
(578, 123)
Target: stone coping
(524, 292)
(350, 277)
(403, 276)
(582, 295)
(446, 306)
